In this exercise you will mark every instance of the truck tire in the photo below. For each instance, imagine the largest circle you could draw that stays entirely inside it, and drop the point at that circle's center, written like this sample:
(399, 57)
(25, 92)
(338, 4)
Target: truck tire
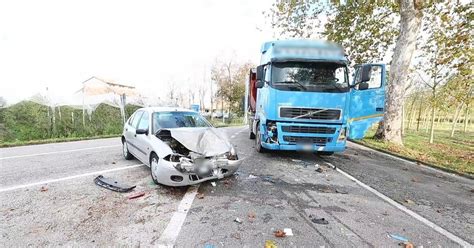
(252, 135)
(258, 141)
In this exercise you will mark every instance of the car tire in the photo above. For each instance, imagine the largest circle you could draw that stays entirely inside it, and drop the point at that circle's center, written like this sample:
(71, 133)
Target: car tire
(324, 153)
(258, 141)
(126, 154)
(153, 163)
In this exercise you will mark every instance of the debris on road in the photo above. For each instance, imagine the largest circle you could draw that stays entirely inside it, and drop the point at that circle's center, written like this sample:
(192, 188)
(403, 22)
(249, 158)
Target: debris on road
(279, 233)
(238, 220)
(113, 162)
(398, 237)
(200, 196)
(407, 245)
(236, 235)
(415, 180)
(43, 189)
(341, 191)
(270, 244)
(297, 160)
(268, 179)
(252, 176)
(111, 184)
(213, 184)
(319, 169)
(320, 221)
(408, 201)
(136, 195)
(288, 231)
(251, 216)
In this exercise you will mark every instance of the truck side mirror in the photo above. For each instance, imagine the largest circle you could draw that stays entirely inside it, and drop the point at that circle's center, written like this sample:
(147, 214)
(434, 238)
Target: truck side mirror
(260, 84)
(260, 73)
(365, 73)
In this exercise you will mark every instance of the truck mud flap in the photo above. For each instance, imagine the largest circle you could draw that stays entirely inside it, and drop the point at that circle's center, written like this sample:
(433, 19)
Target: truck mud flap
(112, 184)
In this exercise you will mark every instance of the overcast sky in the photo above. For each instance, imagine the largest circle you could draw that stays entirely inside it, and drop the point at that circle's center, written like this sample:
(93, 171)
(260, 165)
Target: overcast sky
(59, 44)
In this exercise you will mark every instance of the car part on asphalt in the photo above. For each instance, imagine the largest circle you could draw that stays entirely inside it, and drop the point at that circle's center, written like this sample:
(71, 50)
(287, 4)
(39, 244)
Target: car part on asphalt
(320, 221)
(398, 237)
(270, 244)
(136, 195)
(288, 231)
(279, 234)
(238, 220)
(111, 184)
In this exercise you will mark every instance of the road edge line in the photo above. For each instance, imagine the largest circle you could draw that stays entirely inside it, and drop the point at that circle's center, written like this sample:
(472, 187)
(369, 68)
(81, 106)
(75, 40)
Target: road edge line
(68, 178)
(420, 218)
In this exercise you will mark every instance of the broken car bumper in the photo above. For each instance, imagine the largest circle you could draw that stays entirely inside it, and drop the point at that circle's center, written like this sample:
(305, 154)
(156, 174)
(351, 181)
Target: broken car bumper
(167, 174)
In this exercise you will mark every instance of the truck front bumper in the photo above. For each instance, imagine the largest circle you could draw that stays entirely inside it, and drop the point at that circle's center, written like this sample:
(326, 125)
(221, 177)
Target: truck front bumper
(287, 140)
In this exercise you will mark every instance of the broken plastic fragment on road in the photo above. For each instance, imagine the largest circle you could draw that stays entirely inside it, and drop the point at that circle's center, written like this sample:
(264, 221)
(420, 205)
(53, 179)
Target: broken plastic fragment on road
(111, 184)
(136, 195)
(398, 237)
(270, 244)
(279, 233)
(320, 221)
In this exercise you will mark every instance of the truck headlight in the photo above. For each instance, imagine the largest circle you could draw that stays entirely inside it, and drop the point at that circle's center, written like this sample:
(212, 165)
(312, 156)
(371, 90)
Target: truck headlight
(232, 154)
(342, 135)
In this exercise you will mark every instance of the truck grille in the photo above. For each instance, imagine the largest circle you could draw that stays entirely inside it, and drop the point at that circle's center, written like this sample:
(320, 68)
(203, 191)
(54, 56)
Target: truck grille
(327, 114)
(306, 140)
(304, 129)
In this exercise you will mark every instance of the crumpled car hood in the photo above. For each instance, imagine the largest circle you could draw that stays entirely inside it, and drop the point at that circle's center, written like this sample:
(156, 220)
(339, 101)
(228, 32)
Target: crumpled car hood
(205, 141)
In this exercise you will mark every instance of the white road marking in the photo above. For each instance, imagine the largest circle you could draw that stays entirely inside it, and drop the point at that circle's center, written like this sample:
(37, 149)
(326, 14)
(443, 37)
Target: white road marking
(437, 228)
(68, 178)
(170, 234)
(56, 152)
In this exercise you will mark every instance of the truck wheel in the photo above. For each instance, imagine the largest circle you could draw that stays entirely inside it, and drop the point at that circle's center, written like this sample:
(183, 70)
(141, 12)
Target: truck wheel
(258, 141)
(324, 153)
(252, 135)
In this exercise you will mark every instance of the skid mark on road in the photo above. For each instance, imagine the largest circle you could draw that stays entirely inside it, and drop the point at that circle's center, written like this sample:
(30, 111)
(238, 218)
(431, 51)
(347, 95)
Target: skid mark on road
(57, 152)
(68, 178)
(437, 228)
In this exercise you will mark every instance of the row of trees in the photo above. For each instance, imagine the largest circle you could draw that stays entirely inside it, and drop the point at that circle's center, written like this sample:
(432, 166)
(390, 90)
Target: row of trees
(429, 44)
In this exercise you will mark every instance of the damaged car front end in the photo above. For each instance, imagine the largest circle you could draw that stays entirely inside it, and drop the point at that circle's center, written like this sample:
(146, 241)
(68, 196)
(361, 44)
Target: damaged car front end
(180, 146)
(195, 155)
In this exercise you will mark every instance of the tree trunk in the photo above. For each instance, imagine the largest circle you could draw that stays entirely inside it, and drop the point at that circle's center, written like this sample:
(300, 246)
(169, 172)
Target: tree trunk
(379, 132)
(466, 118)
(419, 116)
(433, 115)
(411, 113)
(455, 119)
(410, 23)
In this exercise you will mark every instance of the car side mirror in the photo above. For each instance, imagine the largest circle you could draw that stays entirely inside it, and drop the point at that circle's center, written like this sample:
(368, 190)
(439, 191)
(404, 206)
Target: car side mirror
(363, 86)
(260, 84)
(259, 75)
(141, 131)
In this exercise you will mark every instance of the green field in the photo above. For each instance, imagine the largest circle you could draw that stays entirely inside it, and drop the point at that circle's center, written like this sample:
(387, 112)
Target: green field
(455, 154)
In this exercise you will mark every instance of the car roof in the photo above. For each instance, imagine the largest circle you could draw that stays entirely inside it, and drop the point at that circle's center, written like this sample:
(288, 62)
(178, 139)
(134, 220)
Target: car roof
(165, 109)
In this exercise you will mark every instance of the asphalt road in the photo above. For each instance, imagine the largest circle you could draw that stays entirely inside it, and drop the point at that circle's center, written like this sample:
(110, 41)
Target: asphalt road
(48, 198)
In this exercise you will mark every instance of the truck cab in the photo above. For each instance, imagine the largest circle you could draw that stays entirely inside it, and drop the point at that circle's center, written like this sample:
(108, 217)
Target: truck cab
(300, 97)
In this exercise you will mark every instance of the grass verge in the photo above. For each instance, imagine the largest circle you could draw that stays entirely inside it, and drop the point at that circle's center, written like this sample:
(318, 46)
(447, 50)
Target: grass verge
(454, 154)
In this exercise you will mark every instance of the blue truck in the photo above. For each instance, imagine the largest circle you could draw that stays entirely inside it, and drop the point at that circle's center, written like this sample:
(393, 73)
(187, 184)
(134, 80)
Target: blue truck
(300, 97)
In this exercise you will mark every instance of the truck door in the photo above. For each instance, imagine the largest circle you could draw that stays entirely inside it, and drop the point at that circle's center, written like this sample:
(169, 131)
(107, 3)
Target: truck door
(367, 99)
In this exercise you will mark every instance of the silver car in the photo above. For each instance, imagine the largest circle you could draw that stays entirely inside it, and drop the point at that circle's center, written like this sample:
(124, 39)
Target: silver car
(179, 145)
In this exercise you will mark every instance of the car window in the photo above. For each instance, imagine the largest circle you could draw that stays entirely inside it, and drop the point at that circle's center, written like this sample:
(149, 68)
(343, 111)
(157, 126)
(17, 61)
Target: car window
(130, 119)
(136, 118)
(143, 124)
(178, 119)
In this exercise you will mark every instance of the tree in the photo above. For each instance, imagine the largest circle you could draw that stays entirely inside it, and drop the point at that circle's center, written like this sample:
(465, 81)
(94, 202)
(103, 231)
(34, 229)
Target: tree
(230, 78)
(410, 23)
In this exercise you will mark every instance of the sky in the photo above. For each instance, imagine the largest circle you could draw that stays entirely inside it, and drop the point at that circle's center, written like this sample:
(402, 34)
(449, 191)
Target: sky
(147, 44)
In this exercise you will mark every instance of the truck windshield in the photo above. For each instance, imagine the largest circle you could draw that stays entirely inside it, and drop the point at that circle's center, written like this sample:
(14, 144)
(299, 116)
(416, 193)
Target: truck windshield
(310, 76)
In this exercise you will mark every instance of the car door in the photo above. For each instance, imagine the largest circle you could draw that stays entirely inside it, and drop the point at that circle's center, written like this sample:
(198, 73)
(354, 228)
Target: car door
(367, 100)
(142, 144)
(130, 129)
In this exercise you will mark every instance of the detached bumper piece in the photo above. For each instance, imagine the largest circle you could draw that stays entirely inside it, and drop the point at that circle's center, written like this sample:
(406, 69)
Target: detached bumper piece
(112, 184)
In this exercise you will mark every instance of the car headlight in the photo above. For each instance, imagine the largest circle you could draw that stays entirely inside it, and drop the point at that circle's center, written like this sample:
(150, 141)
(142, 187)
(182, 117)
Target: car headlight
(232, 154)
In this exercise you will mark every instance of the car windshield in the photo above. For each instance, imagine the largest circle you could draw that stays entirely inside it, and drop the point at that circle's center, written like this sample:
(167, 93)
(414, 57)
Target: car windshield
(178, 119)
(310, 76)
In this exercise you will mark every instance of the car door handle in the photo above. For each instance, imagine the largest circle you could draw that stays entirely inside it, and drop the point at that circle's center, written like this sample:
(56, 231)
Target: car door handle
(135, 135)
